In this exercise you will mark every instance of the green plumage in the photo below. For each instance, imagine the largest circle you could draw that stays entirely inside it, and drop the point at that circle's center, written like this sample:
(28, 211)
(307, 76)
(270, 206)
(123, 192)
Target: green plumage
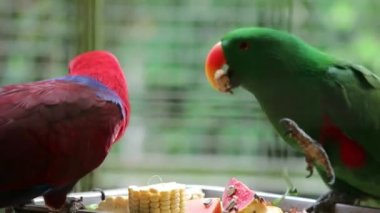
(291, 79)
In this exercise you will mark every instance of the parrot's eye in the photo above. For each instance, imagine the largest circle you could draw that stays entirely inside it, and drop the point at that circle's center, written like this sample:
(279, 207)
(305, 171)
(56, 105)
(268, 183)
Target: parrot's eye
(244, 45)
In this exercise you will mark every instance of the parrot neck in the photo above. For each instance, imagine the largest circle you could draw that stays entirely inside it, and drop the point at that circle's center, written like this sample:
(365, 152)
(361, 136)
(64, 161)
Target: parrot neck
(117, 83)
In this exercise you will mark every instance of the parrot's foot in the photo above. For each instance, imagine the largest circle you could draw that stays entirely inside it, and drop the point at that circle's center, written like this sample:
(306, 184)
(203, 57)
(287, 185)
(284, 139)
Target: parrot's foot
(74, 204)
(313, 151)
(71, 205)
(326, 203)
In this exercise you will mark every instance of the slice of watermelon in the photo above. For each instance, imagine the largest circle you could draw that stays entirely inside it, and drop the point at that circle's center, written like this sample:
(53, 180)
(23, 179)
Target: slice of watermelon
(203, 205)
(237, 197)
(239, 192)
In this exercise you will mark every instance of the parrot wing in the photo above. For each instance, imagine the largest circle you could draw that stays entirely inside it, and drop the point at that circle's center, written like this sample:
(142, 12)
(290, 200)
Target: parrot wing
(53, 132)
(352, 100)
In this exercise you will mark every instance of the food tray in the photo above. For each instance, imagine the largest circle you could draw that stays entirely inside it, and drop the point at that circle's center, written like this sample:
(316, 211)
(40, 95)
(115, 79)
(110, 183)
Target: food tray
(210, 191)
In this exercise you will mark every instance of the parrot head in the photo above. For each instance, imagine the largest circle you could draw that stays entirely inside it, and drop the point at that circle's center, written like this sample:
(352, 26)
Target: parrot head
(104, 67)
(249, 56)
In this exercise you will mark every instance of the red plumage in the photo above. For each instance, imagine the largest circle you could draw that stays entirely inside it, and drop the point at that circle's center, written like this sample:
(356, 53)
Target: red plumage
(352, 154)
(54, 132)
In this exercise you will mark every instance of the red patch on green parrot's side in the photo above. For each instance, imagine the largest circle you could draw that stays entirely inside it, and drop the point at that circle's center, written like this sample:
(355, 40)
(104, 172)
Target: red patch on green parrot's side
(351, 153)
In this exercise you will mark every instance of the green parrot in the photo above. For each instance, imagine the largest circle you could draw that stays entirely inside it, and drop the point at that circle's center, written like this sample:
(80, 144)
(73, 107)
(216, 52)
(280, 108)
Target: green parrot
(323, 106)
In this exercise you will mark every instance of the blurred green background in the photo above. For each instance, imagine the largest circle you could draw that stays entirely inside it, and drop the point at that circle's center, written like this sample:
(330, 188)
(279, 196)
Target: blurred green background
(181, 129)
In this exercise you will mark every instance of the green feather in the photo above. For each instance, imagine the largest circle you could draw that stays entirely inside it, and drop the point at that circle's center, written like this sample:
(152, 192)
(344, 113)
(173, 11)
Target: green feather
(292, 79)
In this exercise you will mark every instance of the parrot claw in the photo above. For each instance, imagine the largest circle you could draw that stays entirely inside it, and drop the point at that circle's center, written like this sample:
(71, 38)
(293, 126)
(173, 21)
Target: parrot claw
(326, 203)
(102, 194)
(310, 169)
(309, 166)
(72, 205)
(313, 151)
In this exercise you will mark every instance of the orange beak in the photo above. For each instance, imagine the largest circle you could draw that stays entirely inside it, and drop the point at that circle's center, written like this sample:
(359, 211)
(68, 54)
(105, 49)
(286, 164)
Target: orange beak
(213, 67)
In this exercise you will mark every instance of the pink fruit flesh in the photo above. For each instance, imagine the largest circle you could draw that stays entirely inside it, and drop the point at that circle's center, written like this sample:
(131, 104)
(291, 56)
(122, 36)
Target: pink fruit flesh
(243, 194)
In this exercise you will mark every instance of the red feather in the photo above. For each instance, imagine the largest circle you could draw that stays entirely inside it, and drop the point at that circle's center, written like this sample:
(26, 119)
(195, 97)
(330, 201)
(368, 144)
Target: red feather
(351, 153)
(56, 131)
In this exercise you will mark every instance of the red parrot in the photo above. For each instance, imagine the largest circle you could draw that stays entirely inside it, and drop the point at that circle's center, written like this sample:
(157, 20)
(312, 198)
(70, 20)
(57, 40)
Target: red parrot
(53, 132)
